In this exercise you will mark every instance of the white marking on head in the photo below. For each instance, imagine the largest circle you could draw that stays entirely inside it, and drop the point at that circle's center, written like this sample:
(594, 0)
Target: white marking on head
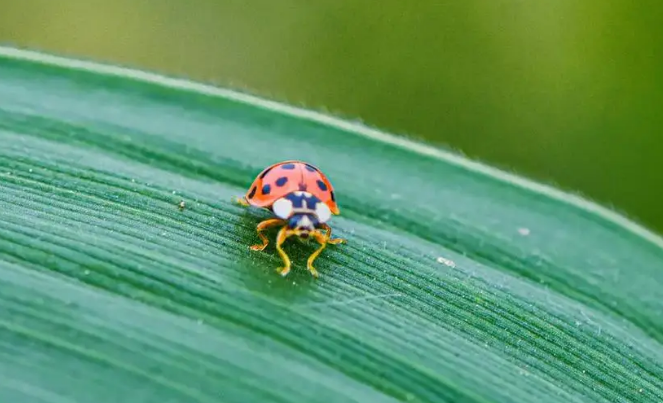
(323, 212)
(305, 222)
(282, 208)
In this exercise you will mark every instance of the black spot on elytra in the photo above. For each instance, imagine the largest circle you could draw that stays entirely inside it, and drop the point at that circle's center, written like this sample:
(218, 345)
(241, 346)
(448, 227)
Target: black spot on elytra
(281, 181)
(262, 175)
(288, 166)
(333, 196)
(310, 168)
(266, 189)
(253, 192)
(322, 185)
(302, 187)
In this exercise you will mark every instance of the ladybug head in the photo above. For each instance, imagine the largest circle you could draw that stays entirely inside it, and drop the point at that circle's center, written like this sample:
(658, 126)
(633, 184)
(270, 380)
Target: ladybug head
(303, 224)
(304, 212)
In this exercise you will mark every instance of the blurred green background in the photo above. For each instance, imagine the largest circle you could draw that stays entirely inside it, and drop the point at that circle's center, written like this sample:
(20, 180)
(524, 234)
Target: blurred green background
(569, 92)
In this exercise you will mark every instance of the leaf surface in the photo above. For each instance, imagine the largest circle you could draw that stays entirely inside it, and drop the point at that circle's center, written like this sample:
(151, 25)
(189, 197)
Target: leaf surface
(459, 283)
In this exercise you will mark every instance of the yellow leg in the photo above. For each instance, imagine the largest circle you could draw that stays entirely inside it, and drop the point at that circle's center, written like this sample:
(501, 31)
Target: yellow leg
(241, 201)
(272, 222)
(322, 240)
(328, 236)
(284, 233)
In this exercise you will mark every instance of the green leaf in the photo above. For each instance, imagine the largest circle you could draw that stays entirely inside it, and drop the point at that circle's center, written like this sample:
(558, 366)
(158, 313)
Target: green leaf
(459, 283)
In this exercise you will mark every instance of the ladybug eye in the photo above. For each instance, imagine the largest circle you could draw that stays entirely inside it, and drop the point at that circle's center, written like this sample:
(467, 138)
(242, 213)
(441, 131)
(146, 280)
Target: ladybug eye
(282, 208)
(323, 212)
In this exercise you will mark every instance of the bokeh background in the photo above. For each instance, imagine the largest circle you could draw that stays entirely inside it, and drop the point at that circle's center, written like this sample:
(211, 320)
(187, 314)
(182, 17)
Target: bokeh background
(569, 92)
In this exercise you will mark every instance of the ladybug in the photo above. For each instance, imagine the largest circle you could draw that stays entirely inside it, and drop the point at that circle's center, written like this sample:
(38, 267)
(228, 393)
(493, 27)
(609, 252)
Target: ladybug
(302, 200)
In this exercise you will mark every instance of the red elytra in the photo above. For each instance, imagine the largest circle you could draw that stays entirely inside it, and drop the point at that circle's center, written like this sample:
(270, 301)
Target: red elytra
(283, 178)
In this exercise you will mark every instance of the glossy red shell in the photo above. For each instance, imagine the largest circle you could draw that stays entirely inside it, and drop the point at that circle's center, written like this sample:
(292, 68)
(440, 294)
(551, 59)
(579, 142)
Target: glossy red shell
(286, 177)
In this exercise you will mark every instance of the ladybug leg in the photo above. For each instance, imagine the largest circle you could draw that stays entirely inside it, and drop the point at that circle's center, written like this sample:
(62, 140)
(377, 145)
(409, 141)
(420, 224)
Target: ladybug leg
(284, 233)
(335, 241)
(322, 240)
(241, 201)
(272, 222)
